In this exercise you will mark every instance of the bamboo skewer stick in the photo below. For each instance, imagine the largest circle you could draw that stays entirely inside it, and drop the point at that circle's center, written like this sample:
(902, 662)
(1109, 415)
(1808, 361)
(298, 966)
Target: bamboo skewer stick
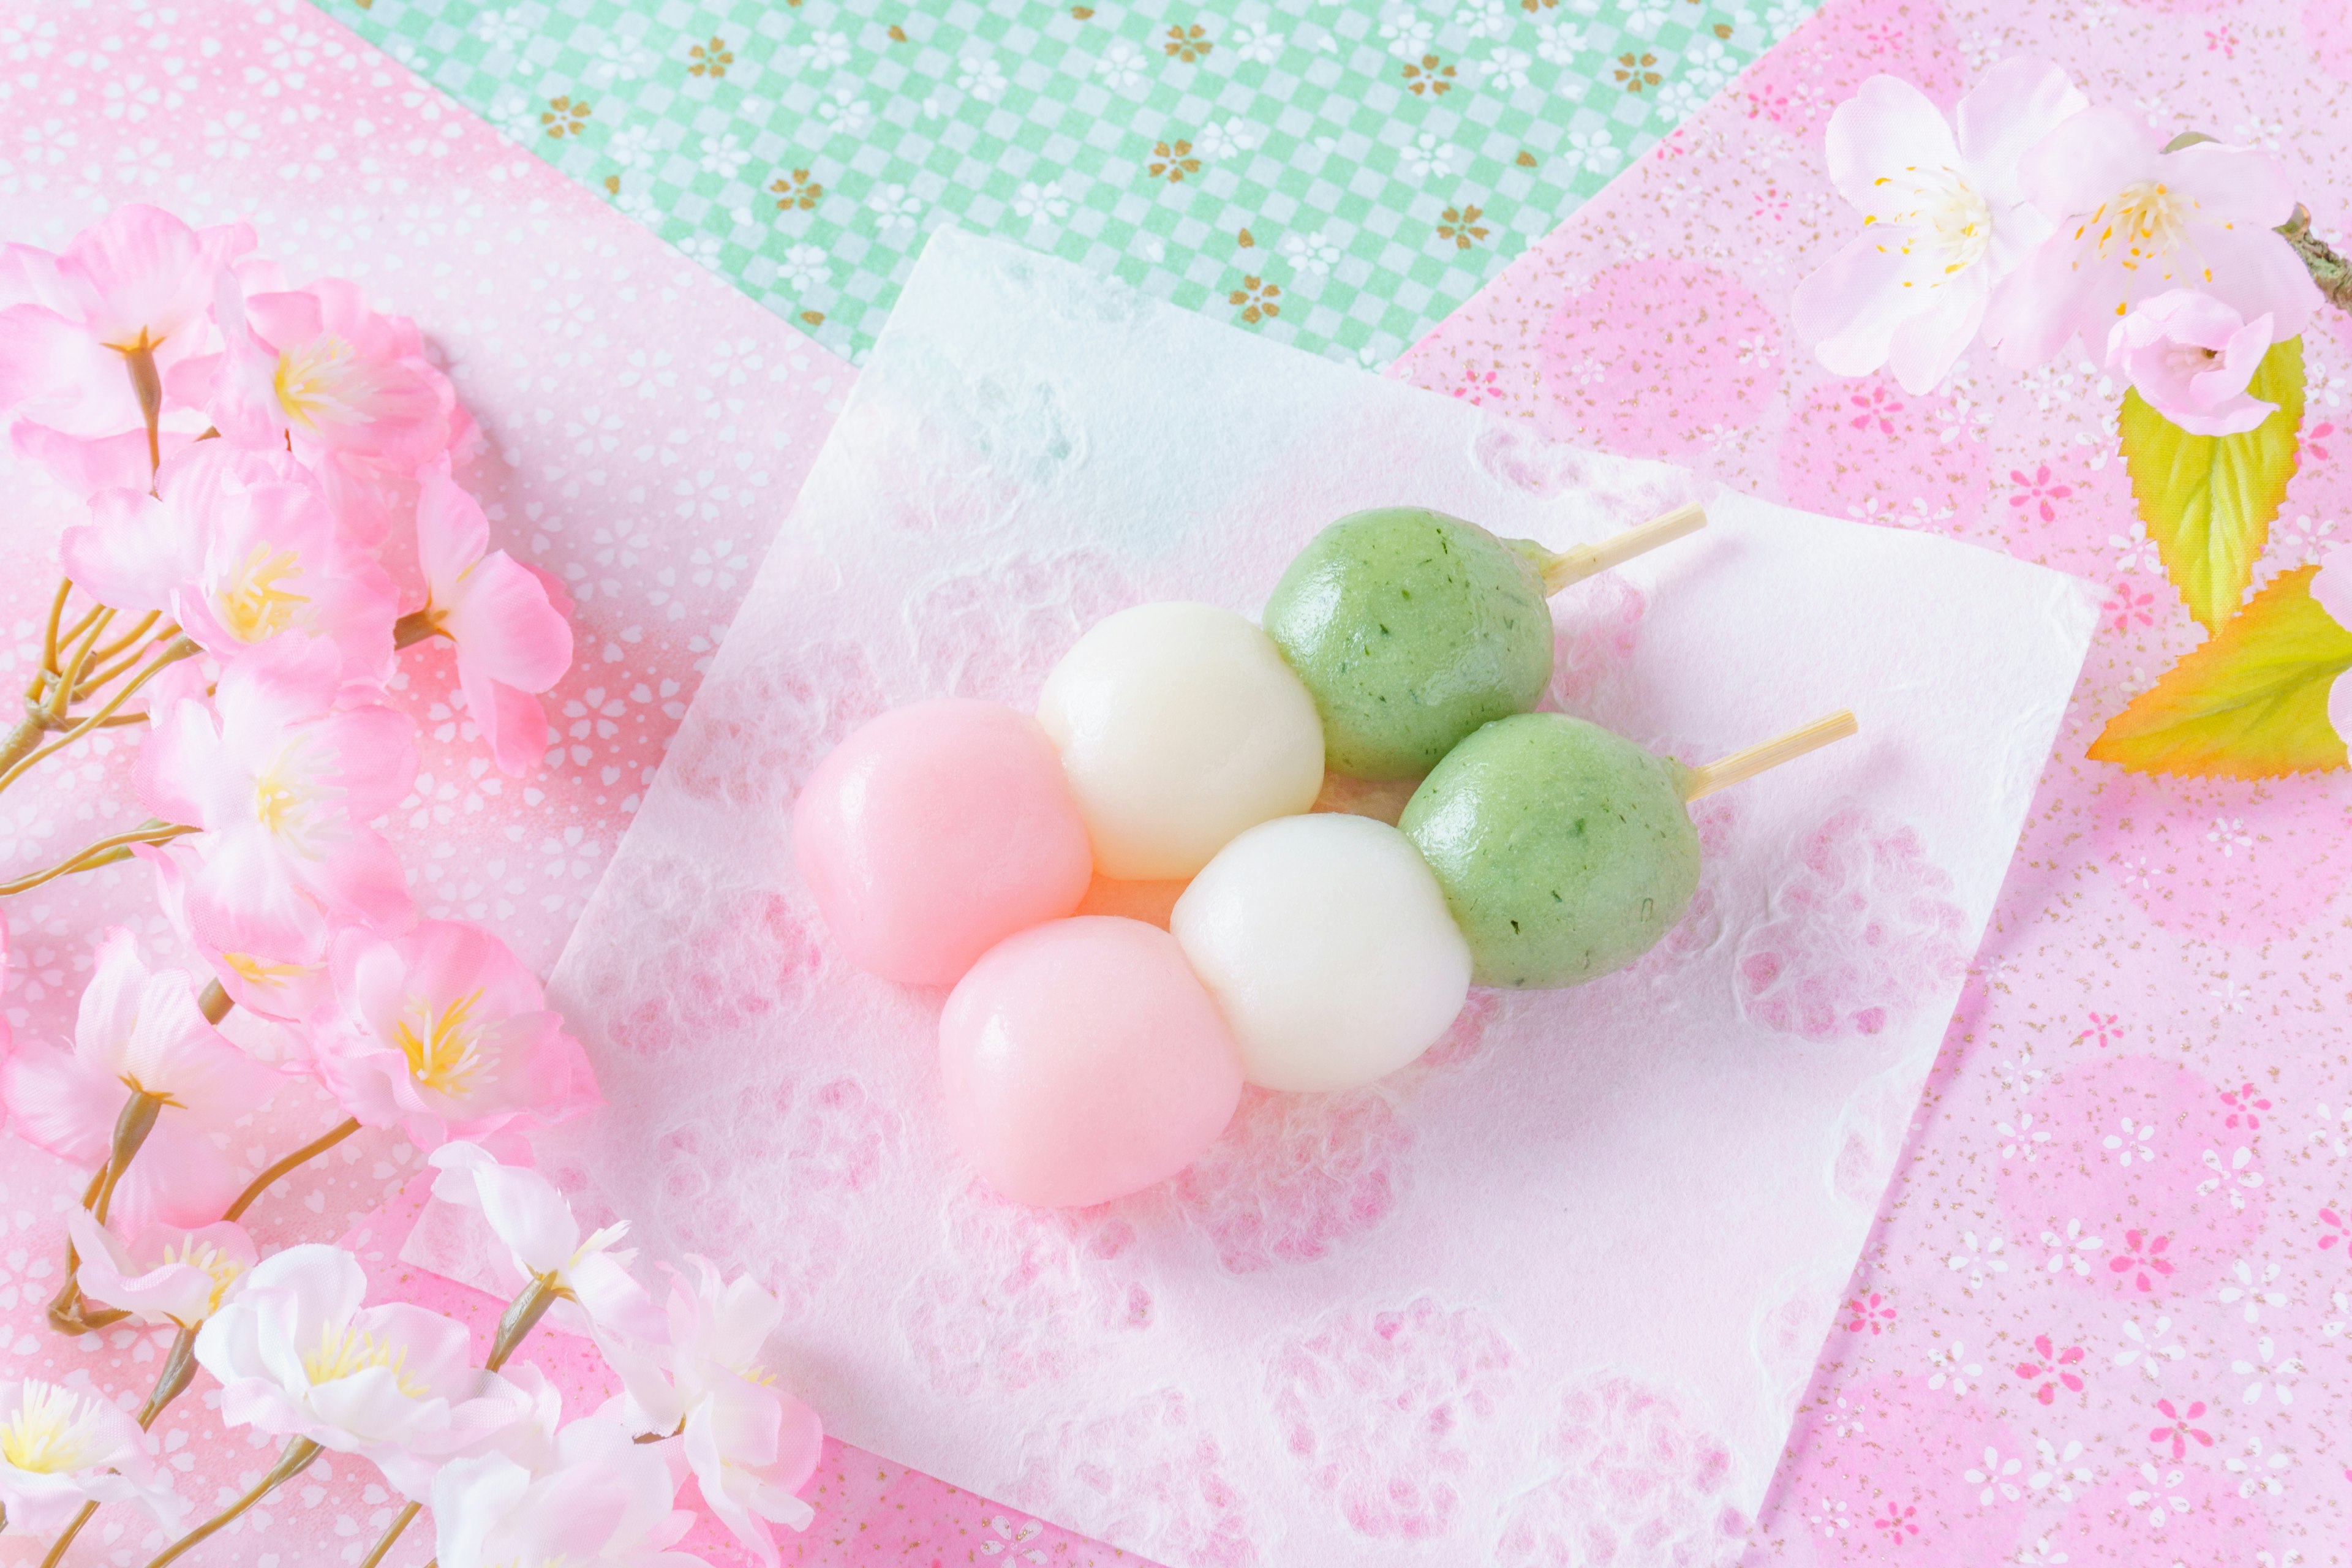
(1579, 562)
(1708, 777)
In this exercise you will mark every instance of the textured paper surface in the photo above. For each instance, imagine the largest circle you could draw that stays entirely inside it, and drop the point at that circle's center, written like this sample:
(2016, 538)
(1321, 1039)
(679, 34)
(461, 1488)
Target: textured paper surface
(1369, 1327)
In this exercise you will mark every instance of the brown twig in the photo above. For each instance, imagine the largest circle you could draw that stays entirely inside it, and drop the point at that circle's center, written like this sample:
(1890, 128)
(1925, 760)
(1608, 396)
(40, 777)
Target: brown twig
(315, 1147)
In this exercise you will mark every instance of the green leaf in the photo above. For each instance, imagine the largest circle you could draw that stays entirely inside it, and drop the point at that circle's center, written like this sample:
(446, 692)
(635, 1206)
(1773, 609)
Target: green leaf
(2251, 703)
(2207, 501)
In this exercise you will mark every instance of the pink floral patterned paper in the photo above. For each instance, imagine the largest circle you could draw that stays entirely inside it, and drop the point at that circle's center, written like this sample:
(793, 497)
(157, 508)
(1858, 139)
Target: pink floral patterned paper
(2103, 1318)
(1445, 1318)
(647, 429)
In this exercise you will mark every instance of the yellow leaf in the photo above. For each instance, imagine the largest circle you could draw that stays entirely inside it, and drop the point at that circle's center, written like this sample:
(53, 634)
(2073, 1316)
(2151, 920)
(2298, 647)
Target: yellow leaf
(2249, 703)
(2207, 501)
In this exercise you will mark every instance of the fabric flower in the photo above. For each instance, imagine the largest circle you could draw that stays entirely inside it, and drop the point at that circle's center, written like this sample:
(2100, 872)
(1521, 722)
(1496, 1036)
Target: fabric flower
(445, 1034)
(239, 547)
(751, 1446)
(1944, 215)
(314, 371)
(168, 1274)
(283, 785)
(603, 1500)
(2135, 221)
(510, 634)
(142, 1033)
(543, 1240)
(125, 301)
(2192, 357)
(2332, 587)
(286, 984)
(61, 1448)
(297, 1355)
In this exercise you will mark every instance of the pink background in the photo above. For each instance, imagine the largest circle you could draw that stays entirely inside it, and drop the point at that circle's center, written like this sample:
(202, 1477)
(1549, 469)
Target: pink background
(2166, 955)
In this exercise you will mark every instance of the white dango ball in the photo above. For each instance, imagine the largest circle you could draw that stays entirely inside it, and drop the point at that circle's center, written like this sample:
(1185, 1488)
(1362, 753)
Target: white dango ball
(1328, 945)
(1179, 725)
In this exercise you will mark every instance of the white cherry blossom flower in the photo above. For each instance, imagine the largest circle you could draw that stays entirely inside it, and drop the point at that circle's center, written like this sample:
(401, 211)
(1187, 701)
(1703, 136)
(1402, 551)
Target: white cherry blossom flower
(601, 1501)
(751, 1445)
(2131, 1141)
(1945, 218)
(2060, 1470)
(61, 1448)
(1997, 1476)
(2071, 1250)
(983, 79)
(1979, 1257)
(2268, 1371)
(2254, 1289)
(2147, 1348)
(1406, 31)
(1121, 66)
(297, 1355)
(543, 1240)
(1425, 155)
(2258, 1471)
(803, 268)
(2159, 1493)
(1593, 150)
(166, 1275)
(1507, 67)
(1033, 201)
(827, 50)
(1313, 253)
(1952, 1367)
(2235, 1176)
(2023, 1141)
(1560, 42)
(1256, 43)
(724, 155)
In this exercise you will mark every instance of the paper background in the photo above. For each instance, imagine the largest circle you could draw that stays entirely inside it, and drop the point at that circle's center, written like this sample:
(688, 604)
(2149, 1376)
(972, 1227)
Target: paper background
(1367, 1326)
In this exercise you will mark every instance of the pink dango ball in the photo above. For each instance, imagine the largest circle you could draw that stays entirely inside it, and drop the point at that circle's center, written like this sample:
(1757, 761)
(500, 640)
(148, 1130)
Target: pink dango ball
(1082, 1062)
(935, 832)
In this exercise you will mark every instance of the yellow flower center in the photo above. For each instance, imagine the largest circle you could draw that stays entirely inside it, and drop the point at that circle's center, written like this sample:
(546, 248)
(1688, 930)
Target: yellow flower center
(203, 1254)
(323, 382)
(1942, 209)
(443, 1046)
(289, 801)
(259, 972)
(346, 1350)
(52, 1431)
(2143, 223)
(252, 606)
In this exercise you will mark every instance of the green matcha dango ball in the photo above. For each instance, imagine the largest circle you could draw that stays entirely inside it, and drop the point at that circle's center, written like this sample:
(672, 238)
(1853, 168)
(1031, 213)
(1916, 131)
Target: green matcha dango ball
(1564, 851)
(1412, 629)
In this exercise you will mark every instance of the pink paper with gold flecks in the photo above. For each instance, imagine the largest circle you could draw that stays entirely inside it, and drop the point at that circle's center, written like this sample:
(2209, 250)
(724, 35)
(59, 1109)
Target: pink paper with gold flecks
(2105, 1317)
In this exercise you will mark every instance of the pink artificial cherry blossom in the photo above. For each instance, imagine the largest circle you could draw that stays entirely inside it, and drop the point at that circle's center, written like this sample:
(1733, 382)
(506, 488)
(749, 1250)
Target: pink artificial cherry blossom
(445, 1033)
(283, 784)
(141, 1033)
(2136, 221)
(314, 371)
(165, 1274)
(62, 1448)
(298, 1355)
(1944, 216)
(506, 620)
(87, 333)
(2192, 357)
(751, 1445)
(238, 547)
(286, 984)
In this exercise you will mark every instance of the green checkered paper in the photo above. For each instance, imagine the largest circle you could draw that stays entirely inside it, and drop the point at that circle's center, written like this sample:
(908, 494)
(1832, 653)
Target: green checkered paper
(1339, 176)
